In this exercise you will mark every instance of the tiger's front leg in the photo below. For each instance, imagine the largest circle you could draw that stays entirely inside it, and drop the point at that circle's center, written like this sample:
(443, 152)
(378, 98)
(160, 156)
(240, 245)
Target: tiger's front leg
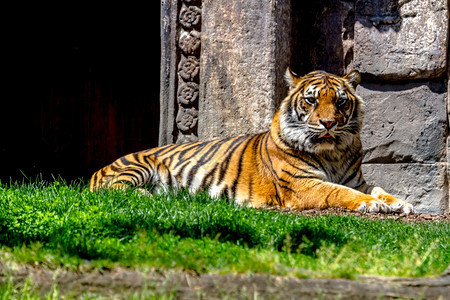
(315, 193)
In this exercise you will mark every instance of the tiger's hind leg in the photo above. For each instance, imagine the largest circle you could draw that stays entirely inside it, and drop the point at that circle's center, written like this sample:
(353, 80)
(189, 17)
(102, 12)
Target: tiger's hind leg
(136, 170)
(124, 186)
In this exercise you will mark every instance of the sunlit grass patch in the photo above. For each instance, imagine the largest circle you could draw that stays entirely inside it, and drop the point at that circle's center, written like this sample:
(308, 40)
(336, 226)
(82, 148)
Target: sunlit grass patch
(60, 225)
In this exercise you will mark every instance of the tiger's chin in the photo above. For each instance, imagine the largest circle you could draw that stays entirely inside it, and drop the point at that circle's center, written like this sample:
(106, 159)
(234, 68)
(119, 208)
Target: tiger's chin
(325, 144)
(326, 147)
(329, 147)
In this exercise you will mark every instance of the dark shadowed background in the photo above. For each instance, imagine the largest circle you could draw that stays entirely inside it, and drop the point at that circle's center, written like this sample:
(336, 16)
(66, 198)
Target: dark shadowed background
(81, 88)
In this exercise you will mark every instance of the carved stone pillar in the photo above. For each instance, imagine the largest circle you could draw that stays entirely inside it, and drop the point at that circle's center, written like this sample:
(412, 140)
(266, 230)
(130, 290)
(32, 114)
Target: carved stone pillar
(180, 69)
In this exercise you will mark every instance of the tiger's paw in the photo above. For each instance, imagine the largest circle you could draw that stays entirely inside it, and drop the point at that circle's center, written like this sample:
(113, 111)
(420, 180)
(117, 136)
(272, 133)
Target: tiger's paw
(402, 207)
(396, 205)
(374, 206)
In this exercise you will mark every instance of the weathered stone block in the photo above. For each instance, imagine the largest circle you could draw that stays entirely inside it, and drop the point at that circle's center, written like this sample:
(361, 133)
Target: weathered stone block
(404, 122)
(401, 39)
(448, 172)
(423, 185)
(245, 52)
(448, 135)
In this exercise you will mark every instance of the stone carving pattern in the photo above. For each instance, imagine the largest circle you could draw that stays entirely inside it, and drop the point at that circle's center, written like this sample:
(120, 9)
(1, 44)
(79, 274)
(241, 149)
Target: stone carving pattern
(188, 44)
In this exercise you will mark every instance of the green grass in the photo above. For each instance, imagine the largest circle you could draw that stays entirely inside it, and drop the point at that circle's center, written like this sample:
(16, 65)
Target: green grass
(59, 225)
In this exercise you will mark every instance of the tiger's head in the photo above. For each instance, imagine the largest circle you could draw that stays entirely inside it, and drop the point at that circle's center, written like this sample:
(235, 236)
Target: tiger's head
(321, 113)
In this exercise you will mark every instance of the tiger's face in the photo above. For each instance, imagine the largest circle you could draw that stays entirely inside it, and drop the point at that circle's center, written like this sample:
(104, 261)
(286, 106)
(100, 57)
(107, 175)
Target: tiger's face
(321, 112)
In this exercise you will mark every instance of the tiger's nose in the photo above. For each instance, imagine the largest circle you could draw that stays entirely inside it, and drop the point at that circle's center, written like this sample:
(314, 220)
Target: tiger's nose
(328, 123)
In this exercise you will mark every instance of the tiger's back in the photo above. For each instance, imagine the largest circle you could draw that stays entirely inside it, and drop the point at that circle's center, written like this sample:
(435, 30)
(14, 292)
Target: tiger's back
(222, 167)
(310, 158)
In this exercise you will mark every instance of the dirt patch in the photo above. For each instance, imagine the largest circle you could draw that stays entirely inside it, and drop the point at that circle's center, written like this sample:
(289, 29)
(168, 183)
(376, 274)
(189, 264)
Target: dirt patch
(415, 217)
(121, 283)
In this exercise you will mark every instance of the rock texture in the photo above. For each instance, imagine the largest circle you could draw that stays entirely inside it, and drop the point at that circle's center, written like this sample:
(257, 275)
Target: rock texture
(422, 185)
(404, 140)
(405, 134)
(404, 123)
(448, 127)
(401, 39)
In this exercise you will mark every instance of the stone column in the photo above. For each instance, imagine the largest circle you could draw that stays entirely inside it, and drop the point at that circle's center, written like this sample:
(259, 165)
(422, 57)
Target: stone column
(245, 52)
(448, 117)
(401, 50)
(180, 66)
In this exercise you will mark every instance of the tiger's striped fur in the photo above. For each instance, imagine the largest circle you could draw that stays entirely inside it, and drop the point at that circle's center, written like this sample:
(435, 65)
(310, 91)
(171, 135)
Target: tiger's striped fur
(310, 158)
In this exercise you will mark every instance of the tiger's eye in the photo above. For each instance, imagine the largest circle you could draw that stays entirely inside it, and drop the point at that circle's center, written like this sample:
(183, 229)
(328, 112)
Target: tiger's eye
(311, 100)
(341, 101)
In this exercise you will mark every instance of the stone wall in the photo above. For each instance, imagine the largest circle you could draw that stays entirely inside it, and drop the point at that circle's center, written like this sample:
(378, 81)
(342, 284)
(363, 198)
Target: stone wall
(401, 48)
(242, 48)
(404, 140)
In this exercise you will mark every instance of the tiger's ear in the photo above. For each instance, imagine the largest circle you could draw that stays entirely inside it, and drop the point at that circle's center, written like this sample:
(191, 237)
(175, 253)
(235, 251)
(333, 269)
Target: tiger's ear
(354, 78)
(291, 78)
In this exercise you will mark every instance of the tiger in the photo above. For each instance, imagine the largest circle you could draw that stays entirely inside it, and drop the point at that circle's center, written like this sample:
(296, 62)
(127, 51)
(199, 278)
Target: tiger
(310, 158)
